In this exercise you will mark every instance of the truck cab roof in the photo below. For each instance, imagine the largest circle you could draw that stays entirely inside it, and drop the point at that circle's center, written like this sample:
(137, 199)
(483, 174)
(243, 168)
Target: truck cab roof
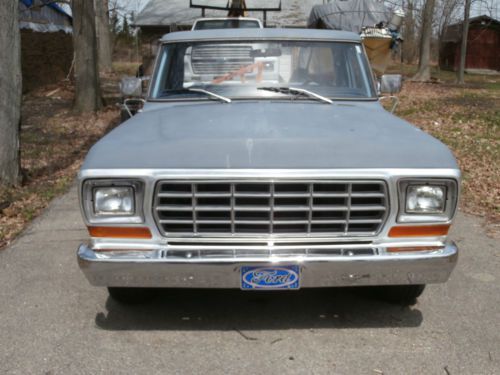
(253, 34)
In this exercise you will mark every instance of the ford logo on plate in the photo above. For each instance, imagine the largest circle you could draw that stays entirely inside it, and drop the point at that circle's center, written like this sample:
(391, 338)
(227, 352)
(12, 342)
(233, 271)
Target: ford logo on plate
(284, 277)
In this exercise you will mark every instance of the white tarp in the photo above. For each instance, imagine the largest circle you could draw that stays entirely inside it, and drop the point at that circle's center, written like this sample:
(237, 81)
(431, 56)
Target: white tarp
(348, 15)
(45, 28)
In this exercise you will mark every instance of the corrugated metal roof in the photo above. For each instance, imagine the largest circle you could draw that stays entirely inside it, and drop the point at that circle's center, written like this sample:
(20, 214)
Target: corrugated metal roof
(178, 12)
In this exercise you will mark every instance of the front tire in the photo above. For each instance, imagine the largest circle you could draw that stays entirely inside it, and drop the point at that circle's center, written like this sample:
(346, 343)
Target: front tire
(132, 296)
(401, 294)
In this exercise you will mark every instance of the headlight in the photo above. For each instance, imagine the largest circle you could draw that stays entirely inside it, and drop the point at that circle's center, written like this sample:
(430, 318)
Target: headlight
(117, 201)
(427, 201)
(114, 201)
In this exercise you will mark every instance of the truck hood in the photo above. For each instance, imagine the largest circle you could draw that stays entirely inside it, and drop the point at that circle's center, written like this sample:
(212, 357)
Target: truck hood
(270, 135)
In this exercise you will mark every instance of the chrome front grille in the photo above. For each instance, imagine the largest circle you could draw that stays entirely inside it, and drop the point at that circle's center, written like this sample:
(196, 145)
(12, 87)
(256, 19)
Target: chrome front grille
(270, 208)
(220, 59)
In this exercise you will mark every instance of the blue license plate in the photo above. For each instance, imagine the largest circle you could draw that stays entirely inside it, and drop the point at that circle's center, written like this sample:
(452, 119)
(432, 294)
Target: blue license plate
(270, 277)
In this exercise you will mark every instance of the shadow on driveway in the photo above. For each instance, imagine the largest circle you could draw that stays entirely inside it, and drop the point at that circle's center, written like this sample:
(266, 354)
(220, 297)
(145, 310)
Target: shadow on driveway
(194, 309)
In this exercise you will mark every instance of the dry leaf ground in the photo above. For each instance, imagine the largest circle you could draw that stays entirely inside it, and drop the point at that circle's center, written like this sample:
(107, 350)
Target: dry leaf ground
(467, 119)
(53, 144)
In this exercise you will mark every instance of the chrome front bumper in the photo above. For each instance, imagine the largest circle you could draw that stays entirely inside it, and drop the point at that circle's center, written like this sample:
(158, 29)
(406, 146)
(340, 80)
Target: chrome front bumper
(130, 269)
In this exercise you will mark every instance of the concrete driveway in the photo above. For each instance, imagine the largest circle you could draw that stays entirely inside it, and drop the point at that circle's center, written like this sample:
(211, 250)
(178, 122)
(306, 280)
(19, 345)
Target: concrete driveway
(53, 322)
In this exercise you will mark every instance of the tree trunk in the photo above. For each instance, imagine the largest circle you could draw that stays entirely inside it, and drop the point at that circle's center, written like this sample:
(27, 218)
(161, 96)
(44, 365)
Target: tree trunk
(408, 31)
(463, 48)
(10, 92)
(424, 71)
(87, 85)
(103, 35)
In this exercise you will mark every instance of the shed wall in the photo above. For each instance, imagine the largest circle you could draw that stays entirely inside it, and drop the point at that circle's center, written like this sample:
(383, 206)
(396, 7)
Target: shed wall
(483, 50)
(45, 57)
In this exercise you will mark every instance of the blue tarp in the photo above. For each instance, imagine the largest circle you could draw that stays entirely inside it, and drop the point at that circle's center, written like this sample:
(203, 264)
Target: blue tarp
(54, 6)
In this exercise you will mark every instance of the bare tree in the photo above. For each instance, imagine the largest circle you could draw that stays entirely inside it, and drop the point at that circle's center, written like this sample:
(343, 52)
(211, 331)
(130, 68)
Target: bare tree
(463, 48)
(87, 84)
(446, 13)
(424, 71)
(409, 30)
(103, 35)
(10, 92)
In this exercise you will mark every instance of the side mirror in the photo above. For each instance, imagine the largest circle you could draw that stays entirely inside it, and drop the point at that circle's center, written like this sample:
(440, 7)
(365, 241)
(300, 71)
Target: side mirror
(131, 89)
(131, 86)
(391, 83)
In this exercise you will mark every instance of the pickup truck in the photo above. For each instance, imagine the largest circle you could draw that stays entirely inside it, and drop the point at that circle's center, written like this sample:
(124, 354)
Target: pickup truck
(264, 160)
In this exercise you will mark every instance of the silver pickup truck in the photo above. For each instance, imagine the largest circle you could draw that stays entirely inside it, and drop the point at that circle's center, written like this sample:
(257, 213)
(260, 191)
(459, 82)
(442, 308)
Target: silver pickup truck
(262, 160)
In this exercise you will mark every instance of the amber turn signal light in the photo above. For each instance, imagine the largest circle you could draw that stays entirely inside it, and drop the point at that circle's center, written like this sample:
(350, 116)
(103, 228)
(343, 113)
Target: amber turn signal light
(120, 232)
(419, 231)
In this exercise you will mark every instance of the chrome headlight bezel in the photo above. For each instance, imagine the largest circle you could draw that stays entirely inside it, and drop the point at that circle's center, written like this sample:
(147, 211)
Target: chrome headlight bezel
(450, 188)
(89, 189)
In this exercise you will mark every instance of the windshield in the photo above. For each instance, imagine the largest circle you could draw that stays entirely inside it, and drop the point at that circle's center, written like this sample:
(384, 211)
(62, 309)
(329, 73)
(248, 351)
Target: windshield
(226, 24)
(235, 70)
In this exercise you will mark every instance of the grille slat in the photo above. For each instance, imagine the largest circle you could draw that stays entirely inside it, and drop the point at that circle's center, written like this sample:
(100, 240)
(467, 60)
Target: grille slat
(174, 195)
(296, 208)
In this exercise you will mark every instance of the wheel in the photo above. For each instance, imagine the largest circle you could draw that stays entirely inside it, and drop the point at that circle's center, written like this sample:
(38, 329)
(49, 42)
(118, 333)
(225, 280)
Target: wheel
(401, 294)
(132, 296)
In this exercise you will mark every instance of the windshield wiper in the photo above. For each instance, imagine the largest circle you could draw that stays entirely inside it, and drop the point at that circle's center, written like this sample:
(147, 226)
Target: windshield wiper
(195, 89)
(209, 93)
(296, 91)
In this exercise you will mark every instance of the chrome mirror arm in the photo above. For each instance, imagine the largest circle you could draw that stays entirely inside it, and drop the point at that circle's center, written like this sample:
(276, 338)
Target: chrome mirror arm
(395, 101)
